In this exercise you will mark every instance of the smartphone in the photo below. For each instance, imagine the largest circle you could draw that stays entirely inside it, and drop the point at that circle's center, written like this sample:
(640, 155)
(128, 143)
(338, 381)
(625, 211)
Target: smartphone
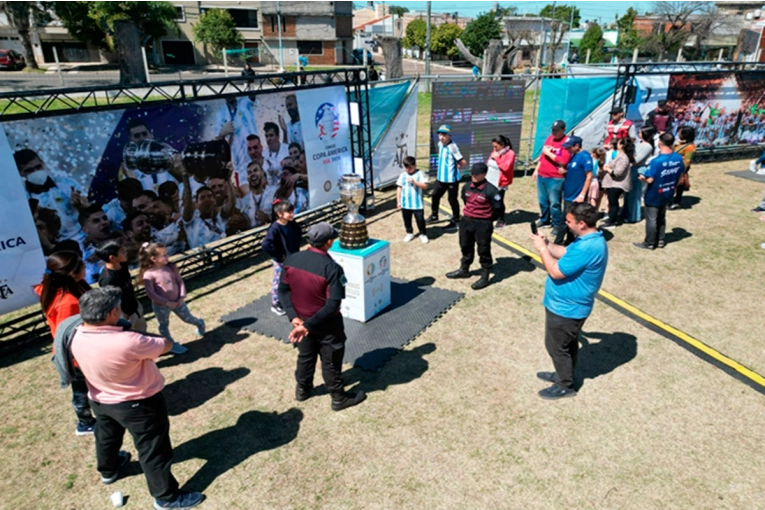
(534, 228)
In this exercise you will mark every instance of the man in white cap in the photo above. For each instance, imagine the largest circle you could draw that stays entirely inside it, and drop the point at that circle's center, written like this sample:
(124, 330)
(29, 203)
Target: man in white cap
(311, 290)
(450, 161)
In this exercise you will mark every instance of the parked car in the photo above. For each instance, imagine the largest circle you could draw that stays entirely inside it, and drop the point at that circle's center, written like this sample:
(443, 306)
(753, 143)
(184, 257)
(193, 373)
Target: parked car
(358, 57)
(11, 60)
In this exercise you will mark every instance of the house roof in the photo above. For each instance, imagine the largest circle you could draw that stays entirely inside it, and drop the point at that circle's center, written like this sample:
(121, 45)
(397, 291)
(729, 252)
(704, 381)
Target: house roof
(371, 22)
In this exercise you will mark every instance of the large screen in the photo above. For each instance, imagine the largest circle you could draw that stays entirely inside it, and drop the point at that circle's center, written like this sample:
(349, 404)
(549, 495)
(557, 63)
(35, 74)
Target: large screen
(184, 174)
(723, 108)
(477, 111)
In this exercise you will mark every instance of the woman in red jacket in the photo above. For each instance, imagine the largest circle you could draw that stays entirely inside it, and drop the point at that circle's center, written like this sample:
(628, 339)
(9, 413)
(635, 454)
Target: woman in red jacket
(501, 162)
(60, 291)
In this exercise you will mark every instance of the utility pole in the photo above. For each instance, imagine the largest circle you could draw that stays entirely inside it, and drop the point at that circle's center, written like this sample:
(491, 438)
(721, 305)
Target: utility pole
(279, 24)
(427, 48)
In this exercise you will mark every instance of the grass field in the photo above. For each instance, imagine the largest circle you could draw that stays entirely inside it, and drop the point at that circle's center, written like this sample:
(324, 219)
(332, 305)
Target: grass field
(453, 421)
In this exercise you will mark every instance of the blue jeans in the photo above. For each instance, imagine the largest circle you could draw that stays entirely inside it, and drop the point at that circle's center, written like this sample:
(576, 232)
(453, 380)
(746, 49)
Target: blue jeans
(550, 196)
(162, 313)
(633, 198)
(760, 160)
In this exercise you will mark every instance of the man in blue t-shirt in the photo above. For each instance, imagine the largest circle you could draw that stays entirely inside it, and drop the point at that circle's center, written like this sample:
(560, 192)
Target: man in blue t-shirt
(576, 182)
(661, 177)
(575, 274)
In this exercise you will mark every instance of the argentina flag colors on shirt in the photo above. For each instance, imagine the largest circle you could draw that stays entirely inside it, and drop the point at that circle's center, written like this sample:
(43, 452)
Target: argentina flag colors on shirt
(411, 195)
(448, 155)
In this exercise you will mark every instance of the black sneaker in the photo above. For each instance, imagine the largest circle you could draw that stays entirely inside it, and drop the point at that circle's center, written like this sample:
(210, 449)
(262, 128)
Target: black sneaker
(183, 500)
(124, 458)
(643, 246)
(554, 233)
(556, 392)
(302, 394)
(608, 225)
(278, 310)
(346, 400)
(452, 226)
(548, 376)
(543, 224)
(673, 207)
(459, 273)
(432, 218)
(758, 209)
(661, 244)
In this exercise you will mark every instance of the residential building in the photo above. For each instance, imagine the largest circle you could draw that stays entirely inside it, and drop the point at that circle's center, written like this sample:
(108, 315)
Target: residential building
(322, 31)
(531, 33)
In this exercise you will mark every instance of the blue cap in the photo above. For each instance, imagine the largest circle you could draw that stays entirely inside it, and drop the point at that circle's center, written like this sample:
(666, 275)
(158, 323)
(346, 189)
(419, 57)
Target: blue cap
(572, 140)
(445, 129)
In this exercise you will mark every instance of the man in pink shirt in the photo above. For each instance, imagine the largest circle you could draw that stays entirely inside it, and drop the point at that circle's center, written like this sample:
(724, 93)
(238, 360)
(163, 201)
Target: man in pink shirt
(125, 392)
(550, 174)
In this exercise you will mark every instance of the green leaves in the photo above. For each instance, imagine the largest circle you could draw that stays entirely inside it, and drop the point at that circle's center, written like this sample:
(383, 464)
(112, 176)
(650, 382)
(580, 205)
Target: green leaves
(216, 29)
(480, 31)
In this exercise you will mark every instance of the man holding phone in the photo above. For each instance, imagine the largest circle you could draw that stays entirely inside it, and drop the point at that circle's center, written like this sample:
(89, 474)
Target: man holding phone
(575, 274)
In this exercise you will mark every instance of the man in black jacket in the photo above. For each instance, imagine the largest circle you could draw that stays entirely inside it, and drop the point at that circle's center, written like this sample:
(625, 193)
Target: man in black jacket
(483, 204)
(311, 290)
(660, 118)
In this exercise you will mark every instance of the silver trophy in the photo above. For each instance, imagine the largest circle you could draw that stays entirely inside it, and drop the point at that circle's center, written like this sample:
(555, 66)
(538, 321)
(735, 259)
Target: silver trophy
(353, 231)
(149, 156)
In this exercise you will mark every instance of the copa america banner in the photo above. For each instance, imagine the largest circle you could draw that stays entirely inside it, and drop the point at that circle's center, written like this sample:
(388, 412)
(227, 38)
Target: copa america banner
(184, 174)
(21, 259)
(399, 142)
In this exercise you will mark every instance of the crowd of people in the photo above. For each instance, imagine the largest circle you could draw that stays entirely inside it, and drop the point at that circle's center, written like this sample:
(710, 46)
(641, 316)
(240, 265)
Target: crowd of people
(180, 207)
(101, 346)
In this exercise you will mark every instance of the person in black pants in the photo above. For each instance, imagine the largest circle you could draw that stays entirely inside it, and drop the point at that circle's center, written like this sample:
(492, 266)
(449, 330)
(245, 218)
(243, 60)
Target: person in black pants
(311, 289)
(483, 204)
(125, 390)
(448, 175)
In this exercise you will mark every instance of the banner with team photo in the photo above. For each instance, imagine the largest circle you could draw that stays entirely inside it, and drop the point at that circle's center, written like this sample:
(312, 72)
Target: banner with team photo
(398, 142)
(327, 135)
(21, 259)
(724, 108)
(94, 176)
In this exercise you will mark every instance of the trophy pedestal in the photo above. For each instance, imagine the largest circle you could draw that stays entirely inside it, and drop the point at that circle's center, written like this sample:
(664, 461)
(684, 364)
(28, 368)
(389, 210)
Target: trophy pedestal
(367, 270)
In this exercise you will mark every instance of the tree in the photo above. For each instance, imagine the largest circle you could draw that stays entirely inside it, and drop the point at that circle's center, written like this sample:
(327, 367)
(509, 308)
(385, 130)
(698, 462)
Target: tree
(561, 13)
(20, 16)
(76, 19)
(216, 29)
(415, 34)
(398, 10)
(593, 41)
(442, 40)
(480, 31)
(681, 21)
(137, 23)
(629, 39)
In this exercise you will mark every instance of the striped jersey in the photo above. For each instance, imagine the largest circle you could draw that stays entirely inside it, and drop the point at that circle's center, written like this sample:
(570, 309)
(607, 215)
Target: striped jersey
(448, 155)
(411, 195)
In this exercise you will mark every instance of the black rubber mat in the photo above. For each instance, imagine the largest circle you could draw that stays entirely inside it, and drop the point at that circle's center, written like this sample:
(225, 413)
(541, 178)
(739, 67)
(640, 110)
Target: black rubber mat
(414, 306)
(746, 174)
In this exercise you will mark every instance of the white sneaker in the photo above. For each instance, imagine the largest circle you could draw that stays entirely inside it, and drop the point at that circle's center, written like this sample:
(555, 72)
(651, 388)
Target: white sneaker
(408, 238)
(762, 246)
(752, 165)
(424, 239)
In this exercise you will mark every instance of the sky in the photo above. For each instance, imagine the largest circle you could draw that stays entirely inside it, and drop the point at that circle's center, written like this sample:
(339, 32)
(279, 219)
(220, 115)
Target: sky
(589, 10)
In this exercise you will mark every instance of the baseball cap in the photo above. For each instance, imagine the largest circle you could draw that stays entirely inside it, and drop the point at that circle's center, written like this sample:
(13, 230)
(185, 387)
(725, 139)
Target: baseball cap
(572, 140)
(445, 128)
(479, 169)
(617, 109)
(559, 124)
(320, 233)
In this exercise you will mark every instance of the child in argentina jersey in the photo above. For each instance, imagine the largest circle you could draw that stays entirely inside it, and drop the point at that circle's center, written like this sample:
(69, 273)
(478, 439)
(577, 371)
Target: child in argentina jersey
(410, 184)
(450, 161)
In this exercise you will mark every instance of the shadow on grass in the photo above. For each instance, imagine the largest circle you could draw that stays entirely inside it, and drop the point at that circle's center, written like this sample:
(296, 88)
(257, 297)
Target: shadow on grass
(677, 234)
(689, 201)
(519, 216)
(199, 387)
(226, 448)
(404, 367)
(204, 347)
(507, 267)
(611, 351)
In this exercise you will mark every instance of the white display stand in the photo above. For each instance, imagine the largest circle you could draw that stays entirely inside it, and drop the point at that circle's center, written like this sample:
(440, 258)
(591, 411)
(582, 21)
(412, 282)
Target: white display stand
(368, 273)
